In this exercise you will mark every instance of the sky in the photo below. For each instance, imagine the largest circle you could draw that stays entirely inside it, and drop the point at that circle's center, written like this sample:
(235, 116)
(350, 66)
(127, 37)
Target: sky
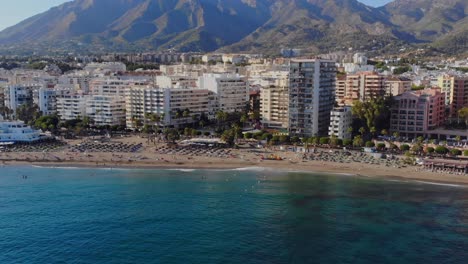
(14, 11)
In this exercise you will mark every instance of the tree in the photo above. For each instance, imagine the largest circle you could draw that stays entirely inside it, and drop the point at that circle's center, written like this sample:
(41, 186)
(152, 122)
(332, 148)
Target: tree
(396, 135)
(373, 130)
(441, 150)
(171, 134)
(417, 148)
(404, 147)
(228, 136)
(186, 113)
(47, 123)
(248, 135)
(381, 146)
(373, 113)
(295, 140)
(275, 140)
(463, 114)
(370, 144)
(430, 150)
(362, 130)
(384, 132)
(465, 153)
(324, 140)
(221, 117)
(284, 139)
(334, 141)
(358, 141)
(28, 113)
(347, 142)
(244, 119)
(455, 152)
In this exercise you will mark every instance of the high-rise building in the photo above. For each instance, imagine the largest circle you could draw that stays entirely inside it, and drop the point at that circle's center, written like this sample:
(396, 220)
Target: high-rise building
(46, 100)
(415, 113)
(106, 110)
(230, 91)
(19, 94)
(274, 101)
(340, 90)
(363, 86)
(168, 103)
(71, 106)
(311, 96)
(456, 92)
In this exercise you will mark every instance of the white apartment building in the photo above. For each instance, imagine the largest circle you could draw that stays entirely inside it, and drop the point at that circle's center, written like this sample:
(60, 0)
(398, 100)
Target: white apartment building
(46, 100)
(71, 106)
(167, 102)
(341, 119)
(230, 91)
(106, 67)
(78, 81)
(106, 110)
(19, 94)
(112, 86)
(311, 96)
(140, 101)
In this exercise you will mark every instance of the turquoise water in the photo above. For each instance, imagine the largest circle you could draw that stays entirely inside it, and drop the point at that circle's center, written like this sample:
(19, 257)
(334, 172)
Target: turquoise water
(163, 216)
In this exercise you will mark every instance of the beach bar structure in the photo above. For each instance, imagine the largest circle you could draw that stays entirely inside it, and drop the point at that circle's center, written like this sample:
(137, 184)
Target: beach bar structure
(448, 166)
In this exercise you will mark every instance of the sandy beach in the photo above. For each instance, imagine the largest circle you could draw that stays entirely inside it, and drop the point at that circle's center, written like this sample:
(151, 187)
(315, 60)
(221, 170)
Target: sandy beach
(148, 157)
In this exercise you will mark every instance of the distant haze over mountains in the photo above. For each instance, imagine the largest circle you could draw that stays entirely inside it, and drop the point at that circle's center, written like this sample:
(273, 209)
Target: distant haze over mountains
(243, 25)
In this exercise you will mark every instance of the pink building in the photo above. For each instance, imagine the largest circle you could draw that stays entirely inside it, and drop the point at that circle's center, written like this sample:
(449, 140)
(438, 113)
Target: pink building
(415, 113)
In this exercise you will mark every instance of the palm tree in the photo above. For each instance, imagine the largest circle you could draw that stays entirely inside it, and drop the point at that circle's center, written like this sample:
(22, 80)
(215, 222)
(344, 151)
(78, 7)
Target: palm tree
(384, 132)
(221, 117)
(243, 119)
(362, 130)
(186, 113)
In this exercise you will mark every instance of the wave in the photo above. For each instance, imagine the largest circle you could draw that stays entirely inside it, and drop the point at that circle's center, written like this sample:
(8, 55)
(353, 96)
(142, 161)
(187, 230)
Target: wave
(442, 184)
(183, 170)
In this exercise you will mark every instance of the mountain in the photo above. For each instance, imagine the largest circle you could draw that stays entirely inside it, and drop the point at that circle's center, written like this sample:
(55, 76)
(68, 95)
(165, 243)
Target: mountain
(241, 25)
(444, 22)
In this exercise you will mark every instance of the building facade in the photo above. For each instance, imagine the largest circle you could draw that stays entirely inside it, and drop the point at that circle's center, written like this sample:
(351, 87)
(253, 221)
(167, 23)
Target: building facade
(274, 105)
(311, 96)
(19, 94)
(230, 92)
(71, 106)
(397, 85)
(106, 110)
(341, 119)
(364, 86)
(415, 113)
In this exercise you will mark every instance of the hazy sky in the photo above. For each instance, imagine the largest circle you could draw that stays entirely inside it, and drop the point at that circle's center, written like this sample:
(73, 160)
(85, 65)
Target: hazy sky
(14, 11)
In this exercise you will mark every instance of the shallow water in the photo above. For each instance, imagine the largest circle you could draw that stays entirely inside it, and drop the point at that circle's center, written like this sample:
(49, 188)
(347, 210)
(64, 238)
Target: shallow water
(73, 215)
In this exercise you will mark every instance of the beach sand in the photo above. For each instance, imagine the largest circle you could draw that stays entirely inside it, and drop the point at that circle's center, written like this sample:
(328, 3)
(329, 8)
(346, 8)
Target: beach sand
(148, 158)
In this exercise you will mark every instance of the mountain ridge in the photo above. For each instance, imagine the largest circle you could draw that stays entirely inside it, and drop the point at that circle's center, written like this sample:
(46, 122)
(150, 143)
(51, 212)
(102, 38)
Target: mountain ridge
(243, 25)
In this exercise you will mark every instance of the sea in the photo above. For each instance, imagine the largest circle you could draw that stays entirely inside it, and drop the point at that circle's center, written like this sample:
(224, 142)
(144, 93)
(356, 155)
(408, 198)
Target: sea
(251, 215)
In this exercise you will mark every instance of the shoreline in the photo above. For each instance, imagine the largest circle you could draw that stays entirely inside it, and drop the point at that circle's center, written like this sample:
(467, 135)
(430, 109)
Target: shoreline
(363, 170)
